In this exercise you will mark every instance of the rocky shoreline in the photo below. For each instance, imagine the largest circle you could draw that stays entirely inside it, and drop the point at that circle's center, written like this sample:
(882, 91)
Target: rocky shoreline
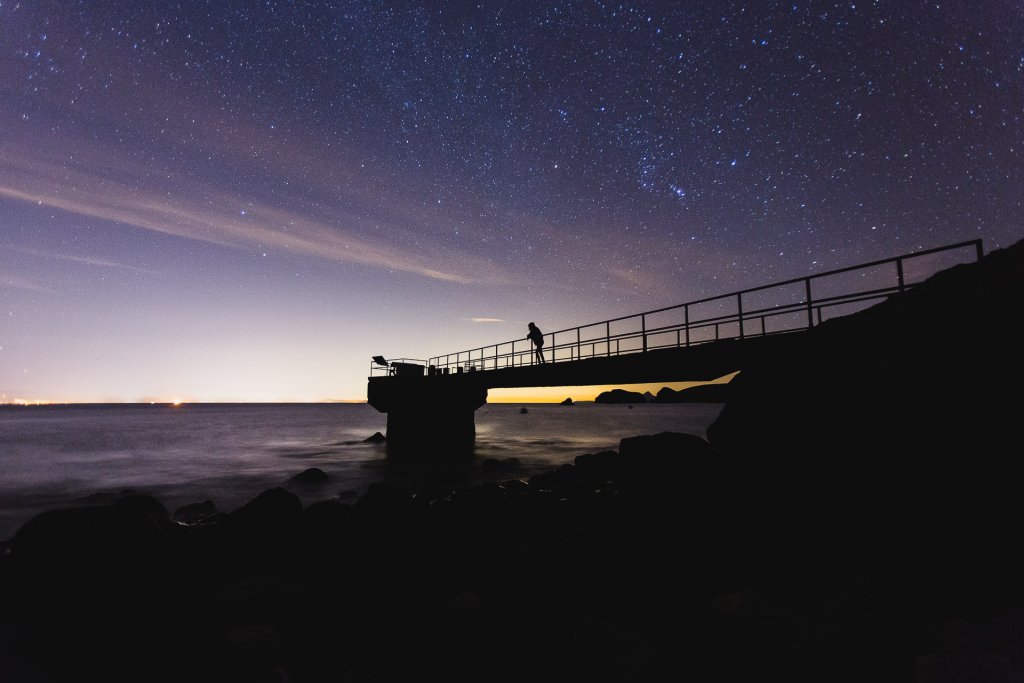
(630, 565)
(854, 516)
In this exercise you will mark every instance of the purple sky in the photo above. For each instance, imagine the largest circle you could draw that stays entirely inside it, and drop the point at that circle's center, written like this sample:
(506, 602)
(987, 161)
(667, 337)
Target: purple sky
(239, 201)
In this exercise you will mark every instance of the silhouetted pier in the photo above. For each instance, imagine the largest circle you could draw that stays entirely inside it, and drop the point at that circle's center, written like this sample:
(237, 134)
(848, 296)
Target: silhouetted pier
(699, 340)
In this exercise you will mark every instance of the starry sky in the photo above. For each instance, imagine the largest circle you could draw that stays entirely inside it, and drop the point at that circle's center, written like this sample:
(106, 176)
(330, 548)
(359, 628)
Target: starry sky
(245, 201)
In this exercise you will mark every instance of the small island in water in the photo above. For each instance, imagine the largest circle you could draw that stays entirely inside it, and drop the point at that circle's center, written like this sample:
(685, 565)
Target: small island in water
(703, 393)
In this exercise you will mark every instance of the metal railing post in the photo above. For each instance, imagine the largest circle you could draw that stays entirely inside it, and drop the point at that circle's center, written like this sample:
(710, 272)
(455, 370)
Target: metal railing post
(608, 338)
(810, 310)
(578, 357)
(686, 319)
(739, 311)
(643, 329)
(899, 274)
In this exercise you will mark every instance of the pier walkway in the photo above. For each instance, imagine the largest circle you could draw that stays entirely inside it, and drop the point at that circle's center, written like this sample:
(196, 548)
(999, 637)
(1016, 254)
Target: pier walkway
(699, 340)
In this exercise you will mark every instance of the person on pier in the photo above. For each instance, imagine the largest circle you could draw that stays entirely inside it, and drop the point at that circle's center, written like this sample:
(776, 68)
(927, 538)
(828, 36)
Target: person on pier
(538, 342)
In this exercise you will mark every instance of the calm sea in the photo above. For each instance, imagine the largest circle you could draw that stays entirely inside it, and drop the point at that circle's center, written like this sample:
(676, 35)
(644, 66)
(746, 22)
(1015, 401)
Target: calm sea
(52, 456)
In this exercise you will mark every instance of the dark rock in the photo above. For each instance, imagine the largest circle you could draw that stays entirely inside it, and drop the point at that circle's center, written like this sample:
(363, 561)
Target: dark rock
(314, 476)
(195, 512)
(377, 437)
(387, 501)
(275, 504)
(515, 487)
(485, 491)
(77, 533)
(666, 443)
(958, 668)
(523, 410)
(703, 393)
(554, 479)
(567, 402)
(328, 510)
(140, 504)
(886, 390)
(494, 465)
(620, 396)
(667, 463)
(603, 466)
(92, 558)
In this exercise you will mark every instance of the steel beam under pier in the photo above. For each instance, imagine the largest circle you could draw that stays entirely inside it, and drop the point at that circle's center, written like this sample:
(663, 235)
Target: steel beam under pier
(427, 412)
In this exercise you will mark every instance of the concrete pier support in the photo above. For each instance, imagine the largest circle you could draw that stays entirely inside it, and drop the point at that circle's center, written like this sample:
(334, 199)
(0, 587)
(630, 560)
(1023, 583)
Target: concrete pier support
(428, 412)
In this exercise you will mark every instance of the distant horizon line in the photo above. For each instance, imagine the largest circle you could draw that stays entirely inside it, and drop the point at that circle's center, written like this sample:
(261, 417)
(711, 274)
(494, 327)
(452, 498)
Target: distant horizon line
(44, 404)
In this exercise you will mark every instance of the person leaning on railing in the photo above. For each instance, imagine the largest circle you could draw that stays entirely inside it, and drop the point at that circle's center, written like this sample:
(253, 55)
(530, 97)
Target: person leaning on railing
(538, 342)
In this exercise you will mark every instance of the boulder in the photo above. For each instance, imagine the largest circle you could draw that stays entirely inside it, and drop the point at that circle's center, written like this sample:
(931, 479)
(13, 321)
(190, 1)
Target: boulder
(387, 501)
(668, 463)
(195, 512)
(275, 504)
(566, 402)
(376, 437)
(327, 511)
(314, 476)
(598, 467)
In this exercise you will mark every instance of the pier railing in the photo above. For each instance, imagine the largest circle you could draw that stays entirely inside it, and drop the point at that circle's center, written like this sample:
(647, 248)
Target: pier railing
(776, 308)
(397, 366)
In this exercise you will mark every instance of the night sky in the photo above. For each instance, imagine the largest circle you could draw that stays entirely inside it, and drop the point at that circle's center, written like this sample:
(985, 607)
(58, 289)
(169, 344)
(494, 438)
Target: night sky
(244, 201)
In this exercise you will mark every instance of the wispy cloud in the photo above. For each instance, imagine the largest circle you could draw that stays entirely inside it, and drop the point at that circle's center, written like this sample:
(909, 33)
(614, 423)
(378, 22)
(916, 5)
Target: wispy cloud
(207, 214)
(484, 320)
(11, 281)
(87, 260)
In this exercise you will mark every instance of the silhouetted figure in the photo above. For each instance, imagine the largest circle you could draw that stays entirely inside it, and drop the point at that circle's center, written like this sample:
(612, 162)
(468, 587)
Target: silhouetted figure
(538, 341)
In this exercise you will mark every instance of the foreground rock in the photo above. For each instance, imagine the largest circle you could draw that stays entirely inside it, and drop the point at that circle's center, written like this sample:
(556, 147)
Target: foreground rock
(623, 559)
(312, 477)
(899, 398)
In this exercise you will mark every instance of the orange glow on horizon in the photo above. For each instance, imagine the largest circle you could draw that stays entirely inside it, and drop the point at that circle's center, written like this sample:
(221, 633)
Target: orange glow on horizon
(506, 395)
(585, 393)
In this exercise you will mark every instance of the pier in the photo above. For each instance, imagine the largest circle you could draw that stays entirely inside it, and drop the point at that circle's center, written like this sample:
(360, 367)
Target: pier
(699, 340)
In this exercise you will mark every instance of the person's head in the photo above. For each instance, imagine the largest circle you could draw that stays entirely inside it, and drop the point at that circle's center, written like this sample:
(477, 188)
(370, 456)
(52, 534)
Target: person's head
(531, 325)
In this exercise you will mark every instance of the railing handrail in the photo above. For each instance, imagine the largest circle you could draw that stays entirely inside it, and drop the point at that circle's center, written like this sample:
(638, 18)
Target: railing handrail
(376, 369)
(740, 317)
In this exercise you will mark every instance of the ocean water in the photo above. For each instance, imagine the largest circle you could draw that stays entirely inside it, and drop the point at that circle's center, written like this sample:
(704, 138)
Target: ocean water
(55, 456)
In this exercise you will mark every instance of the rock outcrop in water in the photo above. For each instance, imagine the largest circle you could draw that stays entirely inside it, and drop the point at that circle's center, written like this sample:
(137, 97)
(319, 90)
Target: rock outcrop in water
(702, 393)
(620, 396)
